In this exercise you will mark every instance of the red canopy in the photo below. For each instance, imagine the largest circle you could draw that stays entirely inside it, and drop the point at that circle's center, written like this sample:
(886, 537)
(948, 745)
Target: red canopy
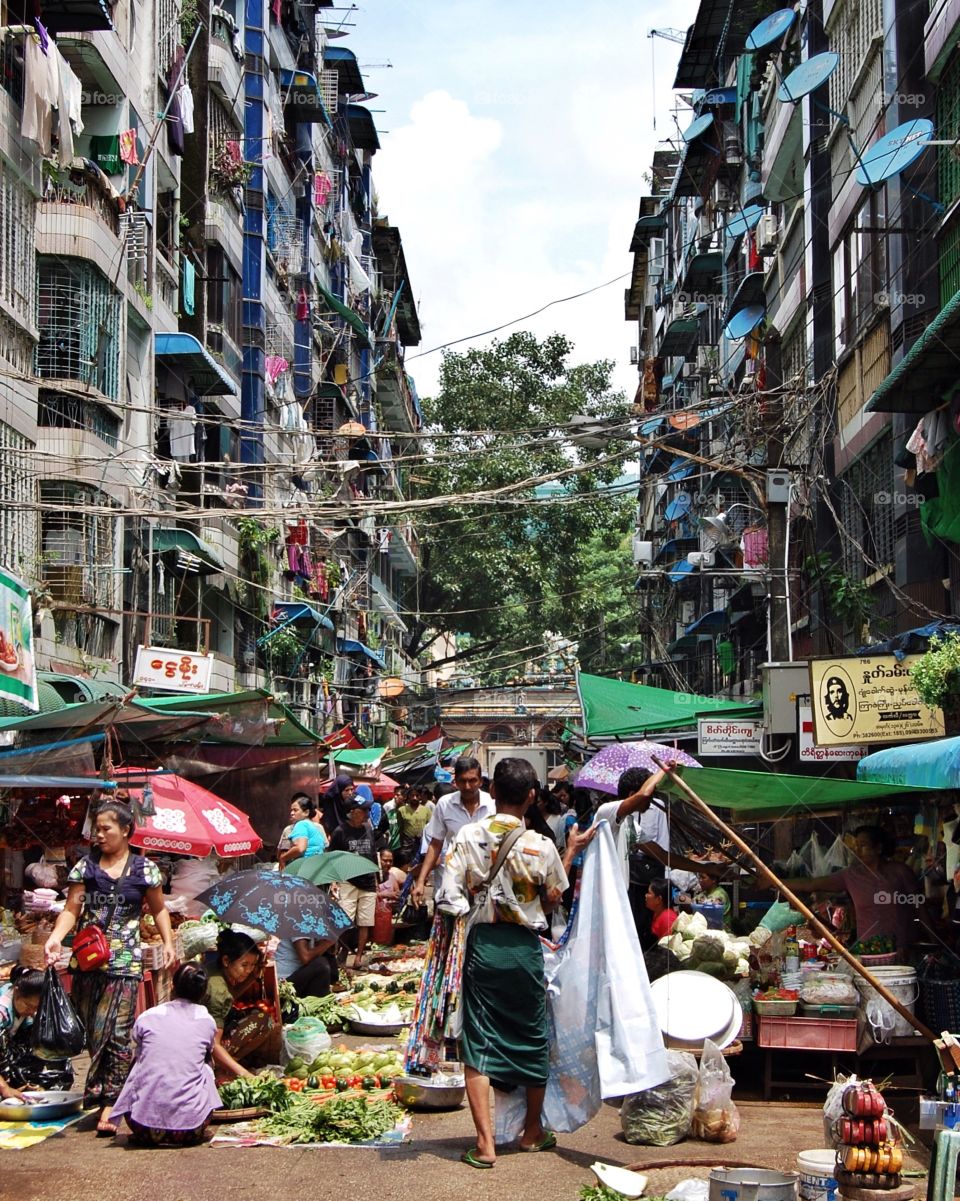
(383, 787)
(190, 820)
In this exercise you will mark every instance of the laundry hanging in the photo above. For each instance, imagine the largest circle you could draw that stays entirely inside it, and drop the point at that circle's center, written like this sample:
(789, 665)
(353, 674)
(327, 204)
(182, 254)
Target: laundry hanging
(105, 152)
(183, 426)
(128, 148)
(187, 295)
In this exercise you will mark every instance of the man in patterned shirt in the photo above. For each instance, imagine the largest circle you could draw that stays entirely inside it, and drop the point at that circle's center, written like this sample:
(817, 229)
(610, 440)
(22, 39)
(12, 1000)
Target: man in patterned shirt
(504, 1040)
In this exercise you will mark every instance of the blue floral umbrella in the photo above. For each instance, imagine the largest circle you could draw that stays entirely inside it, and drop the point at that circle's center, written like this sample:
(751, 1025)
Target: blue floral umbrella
(285, 906)
(603, 771)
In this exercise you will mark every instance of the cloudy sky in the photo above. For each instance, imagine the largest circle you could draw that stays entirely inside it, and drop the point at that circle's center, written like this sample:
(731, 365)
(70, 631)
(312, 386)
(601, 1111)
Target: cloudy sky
(515, 135)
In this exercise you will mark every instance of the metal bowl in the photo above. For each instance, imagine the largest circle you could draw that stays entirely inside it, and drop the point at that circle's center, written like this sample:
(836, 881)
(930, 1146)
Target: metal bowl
(419, 1093)
(377, 1030)
(41, 1107)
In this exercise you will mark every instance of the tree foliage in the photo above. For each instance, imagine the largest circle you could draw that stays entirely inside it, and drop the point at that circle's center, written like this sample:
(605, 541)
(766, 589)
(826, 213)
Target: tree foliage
(540, 557)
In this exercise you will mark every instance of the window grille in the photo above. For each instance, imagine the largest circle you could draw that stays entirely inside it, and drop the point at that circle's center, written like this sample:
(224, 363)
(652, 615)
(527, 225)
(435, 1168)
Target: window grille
(948, 128)
(866, 510)
(18, 519)
(63, 411)
(949, 262)
(330, 91)
(78, 314)
(17, 240)
(79, 547)
(853, 27)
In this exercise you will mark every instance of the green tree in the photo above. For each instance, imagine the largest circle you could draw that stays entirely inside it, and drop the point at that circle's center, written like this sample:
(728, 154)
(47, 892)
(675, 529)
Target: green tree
(530, 543)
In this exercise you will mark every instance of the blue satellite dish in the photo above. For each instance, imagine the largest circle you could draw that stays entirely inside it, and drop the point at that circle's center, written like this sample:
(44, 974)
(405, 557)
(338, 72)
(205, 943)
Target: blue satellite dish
(679, 507)
(746, 219)
(697, 128)
(808, 76)
(894, 152)
(744, 321)
(771, 29)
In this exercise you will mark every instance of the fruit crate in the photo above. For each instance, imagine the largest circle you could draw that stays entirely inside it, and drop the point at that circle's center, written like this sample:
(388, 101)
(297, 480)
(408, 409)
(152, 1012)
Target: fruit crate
(807, 1034)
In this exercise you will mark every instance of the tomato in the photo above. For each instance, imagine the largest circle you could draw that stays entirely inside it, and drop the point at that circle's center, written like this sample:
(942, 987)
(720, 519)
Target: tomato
(328, 1082)
(295, 1086)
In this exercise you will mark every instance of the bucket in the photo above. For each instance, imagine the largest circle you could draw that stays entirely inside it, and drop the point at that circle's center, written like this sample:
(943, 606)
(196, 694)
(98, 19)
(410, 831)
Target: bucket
(884, 1021)
(752, 1184)
(817, 1169)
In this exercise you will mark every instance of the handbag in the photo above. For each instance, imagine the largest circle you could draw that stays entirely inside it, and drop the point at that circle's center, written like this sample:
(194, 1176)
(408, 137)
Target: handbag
(91, 947)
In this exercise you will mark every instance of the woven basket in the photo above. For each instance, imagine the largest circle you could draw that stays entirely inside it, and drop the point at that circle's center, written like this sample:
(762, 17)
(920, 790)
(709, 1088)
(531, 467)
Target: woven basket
(940, 1004)
(32, 956)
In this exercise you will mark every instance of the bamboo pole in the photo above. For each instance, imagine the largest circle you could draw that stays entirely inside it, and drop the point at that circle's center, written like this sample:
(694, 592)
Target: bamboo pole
(812, 919)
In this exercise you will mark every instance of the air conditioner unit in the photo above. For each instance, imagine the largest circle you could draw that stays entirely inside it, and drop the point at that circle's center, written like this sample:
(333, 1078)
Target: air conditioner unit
(642, 551)
(768, 233)
(634, 356)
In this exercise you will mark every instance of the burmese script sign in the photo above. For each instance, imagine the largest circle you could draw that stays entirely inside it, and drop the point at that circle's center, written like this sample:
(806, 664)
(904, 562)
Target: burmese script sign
(868, 700)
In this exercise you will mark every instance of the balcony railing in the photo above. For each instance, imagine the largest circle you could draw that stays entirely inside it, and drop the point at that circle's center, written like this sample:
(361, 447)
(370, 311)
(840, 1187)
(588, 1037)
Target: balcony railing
(11, 68)
(91, 193)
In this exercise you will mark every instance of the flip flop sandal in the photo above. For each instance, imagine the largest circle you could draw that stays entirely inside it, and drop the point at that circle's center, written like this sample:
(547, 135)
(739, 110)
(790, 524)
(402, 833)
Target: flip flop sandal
(547, 1143)
(106, 1129)
(473, 1159)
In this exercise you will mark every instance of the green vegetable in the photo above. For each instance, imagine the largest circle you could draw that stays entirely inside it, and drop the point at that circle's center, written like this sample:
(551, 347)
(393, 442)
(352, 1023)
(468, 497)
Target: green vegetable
(264, 1091)
(340, 1120)
(369, 1082)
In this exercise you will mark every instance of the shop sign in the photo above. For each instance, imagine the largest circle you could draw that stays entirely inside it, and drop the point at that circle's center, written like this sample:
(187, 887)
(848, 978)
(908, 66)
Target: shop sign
(18, 668)
(868, 700)
(728, 737)
(809, 752)
(173, 671)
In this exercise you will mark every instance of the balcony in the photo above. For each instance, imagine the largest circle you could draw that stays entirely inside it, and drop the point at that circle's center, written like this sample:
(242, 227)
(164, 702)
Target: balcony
(224, 227)
(99, 60)
(78, 217)
(225, 62)
(78, 314)
(396, 403)
(404, 549)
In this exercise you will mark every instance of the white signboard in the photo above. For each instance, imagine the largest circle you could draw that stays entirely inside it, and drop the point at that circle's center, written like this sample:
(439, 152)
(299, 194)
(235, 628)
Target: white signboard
(173, 671)
(811, 753)
(724, 736)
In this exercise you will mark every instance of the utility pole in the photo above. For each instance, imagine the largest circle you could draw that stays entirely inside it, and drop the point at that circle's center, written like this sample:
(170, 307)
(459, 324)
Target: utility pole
(779, 640)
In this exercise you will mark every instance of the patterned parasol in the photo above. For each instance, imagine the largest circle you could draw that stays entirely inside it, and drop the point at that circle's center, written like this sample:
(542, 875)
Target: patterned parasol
(286, 906)
(606, 767)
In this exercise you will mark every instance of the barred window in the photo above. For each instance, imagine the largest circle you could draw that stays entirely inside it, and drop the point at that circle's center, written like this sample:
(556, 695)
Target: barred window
(948, 128)
(79, 318)
(866, 510)
(79, 545)
(18, 518)
(17, 238)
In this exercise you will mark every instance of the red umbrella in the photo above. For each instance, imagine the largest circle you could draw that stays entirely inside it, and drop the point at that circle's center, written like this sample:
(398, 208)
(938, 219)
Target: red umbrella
(382, 788)
(190, 820)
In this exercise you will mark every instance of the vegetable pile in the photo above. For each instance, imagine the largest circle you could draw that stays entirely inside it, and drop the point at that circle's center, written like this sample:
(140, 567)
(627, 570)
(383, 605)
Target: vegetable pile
(346, 1119)
(701, 949)
(340, 1063)
(260, 1092)
(777, 994)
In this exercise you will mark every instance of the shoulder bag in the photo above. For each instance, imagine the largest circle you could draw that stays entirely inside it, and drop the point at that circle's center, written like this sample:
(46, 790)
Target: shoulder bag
(91, 947)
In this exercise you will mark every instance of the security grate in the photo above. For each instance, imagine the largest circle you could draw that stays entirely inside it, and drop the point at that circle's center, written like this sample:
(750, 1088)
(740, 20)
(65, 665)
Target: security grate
(79, 546)
(949, 264)
(867, 510)
(330, 91)
(854, 25)
(948, 128)
(78, 314)
(17, 240)
(18, 520)
(64, 411)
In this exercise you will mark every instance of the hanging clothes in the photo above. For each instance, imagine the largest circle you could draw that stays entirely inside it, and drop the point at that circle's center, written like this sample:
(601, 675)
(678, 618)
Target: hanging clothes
(105, 152)
(188, 287)
(128, 148)
(183, 428)
(303, 305)
(41, 34)
(274, 366)
(186, 106)
(41, 93)
(322, 188)
(174, 120)
(69, 107)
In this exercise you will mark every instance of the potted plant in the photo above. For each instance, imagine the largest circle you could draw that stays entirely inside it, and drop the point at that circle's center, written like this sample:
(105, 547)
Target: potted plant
(228, 170)
(936, 677)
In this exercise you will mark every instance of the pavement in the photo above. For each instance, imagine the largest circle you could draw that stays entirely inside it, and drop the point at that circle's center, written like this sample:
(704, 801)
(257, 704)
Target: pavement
(77, 1166)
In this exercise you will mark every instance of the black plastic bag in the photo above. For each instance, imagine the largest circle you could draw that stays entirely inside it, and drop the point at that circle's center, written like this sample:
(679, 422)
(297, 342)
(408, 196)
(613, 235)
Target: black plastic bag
(57, 1031)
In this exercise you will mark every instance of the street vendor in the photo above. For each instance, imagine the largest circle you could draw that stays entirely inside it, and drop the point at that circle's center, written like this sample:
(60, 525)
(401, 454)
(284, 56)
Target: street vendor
(887, 897)
(19, 1002)
(235, 999)
(504, 1040)
(306, 837)
(358, 897)
(710, 892)
(311, 967)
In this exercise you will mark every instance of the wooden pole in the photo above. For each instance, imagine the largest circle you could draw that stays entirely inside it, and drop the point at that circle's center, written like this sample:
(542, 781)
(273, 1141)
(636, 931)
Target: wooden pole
(812, 919)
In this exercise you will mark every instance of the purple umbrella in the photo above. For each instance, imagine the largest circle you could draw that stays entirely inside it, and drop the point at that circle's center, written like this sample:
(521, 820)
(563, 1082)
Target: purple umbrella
(604, 770)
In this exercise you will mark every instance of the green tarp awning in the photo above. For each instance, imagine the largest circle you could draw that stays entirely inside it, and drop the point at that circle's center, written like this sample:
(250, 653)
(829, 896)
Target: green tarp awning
(767, 792)
(367, 757)
(927, 371)
(187, 543)
(616, 709)
(354, 320)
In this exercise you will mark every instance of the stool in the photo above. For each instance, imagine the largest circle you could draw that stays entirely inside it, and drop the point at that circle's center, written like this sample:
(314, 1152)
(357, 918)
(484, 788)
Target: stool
(943, 1169)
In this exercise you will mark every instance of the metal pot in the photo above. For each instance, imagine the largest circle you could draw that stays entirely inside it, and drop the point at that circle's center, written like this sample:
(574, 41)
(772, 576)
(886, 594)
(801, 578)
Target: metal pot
(42, 1107)
(418, 1093)
(753, 1184)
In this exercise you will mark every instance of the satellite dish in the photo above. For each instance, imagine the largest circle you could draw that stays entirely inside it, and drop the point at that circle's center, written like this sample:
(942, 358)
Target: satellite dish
(679, 507)
(894, 152)
(698, 128)
(744, 321)
(745, 220)
(391, 687)
(771, 29)
(808, 76)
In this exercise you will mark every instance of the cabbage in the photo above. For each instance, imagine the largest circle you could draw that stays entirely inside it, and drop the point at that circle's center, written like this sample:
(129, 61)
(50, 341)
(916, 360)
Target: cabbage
(743, 967)
(730, 959)
(707, 948)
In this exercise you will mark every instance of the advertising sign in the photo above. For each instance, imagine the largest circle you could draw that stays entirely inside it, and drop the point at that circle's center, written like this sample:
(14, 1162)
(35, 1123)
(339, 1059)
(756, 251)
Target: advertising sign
(868, 700)
(809, 752)
(173, 671)
(728, 737)
(18, 668)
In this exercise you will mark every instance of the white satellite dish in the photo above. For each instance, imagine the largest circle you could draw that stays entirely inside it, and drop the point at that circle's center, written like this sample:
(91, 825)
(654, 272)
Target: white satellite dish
(719, 527)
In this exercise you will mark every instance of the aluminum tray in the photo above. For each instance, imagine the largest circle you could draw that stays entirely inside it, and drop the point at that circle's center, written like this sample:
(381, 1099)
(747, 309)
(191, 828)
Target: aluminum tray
(54, 1105)
(418, 1093)
(375, 1030)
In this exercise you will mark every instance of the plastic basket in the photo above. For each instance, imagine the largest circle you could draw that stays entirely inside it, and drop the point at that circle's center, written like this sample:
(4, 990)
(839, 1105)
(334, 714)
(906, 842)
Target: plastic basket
(939, 1004)
(887, 960)
(775, 1008)
(807, 1034)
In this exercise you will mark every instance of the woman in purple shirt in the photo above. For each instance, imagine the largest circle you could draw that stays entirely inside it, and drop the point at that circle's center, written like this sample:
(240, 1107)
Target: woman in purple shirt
(170, 1093)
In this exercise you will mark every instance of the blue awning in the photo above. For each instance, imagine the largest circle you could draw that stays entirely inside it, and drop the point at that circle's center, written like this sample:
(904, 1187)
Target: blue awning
(680, 469)
(911, 642)
(679, 571)
(920, 765)
(363, 131)
(350, 646)
(344, 62)
(185, 352)
(300, 613)
(301, 96)
(709, 623)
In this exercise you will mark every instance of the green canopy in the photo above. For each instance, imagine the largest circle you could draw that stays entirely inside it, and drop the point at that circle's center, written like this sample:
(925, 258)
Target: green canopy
(367, 756)
(762, 793)
(291, 732)
(616, 709)
(354, 320)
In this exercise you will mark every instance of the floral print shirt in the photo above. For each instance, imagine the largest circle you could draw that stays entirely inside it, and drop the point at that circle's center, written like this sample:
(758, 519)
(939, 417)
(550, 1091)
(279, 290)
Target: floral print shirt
(123, 930)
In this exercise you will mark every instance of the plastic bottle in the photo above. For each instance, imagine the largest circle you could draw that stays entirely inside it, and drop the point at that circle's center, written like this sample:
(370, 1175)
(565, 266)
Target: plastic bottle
(791, 952)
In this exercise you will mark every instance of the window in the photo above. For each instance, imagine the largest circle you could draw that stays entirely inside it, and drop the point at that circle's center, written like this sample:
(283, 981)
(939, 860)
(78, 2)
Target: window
(63, 411)
(167, 233)
(948, 127)
(224, 295)
(860, 271)
(79, 318)
(18, 529)
(78, 544)
(17, 235)
(866, 510)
